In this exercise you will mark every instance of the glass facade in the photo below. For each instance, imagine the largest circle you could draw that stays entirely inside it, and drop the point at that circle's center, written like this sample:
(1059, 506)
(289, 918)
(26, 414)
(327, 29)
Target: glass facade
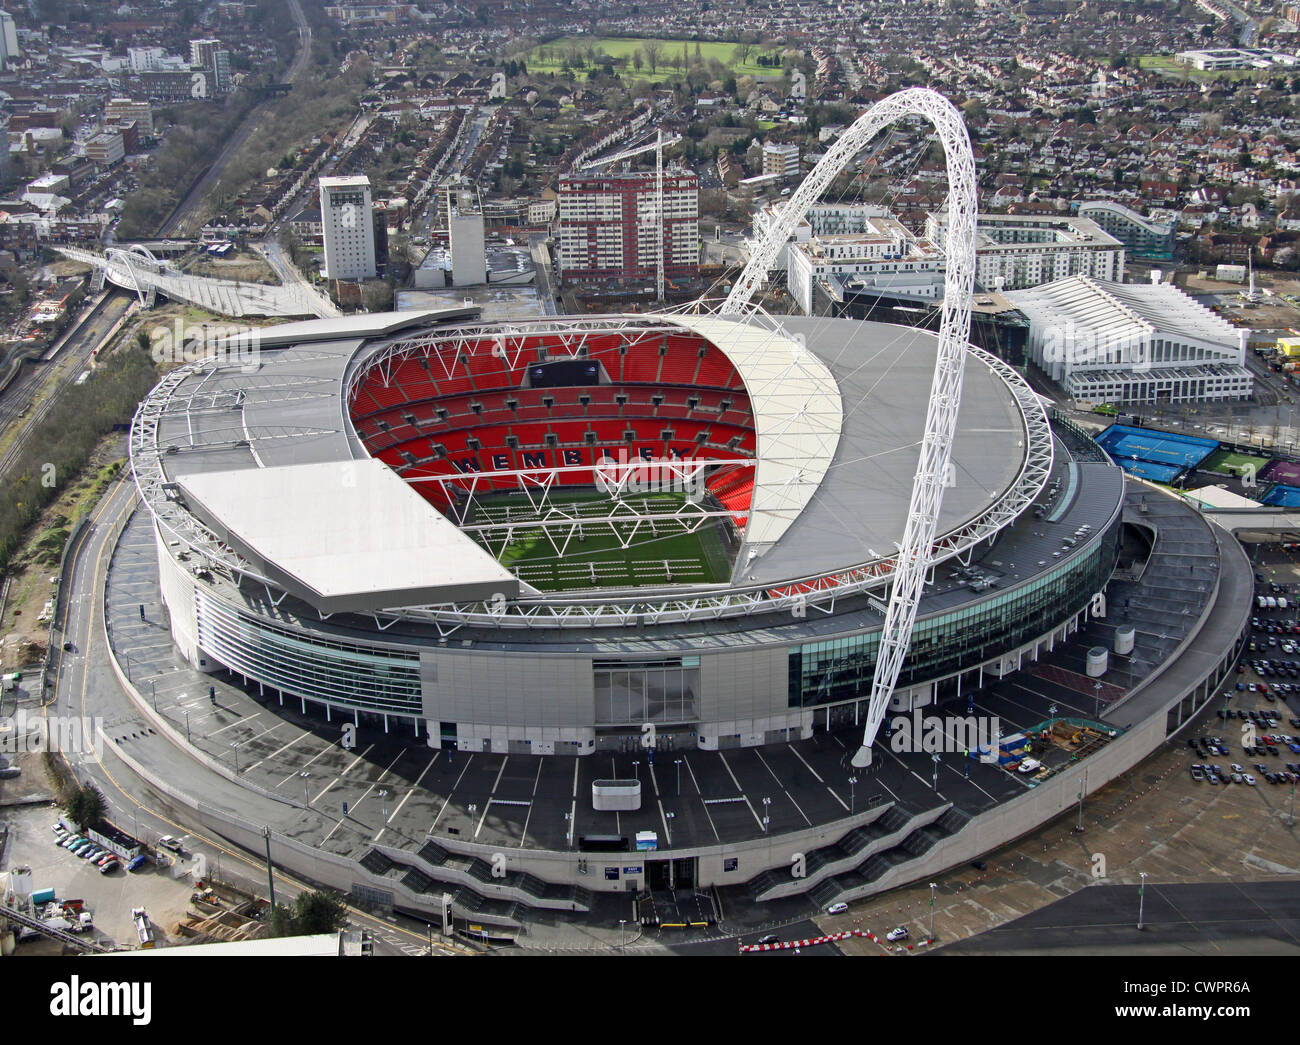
(338, 673)
(946, 643)
(646, 691)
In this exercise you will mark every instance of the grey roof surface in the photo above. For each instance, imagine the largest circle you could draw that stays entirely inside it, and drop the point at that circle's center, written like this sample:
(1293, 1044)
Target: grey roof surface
(884, 374)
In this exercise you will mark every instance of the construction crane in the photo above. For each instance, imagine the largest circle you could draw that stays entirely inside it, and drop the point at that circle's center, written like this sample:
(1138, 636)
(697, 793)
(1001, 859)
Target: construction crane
(658, 145)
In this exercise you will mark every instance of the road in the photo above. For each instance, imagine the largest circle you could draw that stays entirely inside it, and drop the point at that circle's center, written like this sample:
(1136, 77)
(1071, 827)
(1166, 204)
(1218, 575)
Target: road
(185, 209)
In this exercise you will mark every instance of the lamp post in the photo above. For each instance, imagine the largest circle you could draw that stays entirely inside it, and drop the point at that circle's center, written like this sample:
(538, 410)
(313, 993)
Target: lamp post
(935, 759)
(568, 829)
(767, 802)
(383, 803)
(853, 795)
(668, 826)
(932, 888)
(187, 727)
(678, 763)
(621, 922)
(235, 747)
(636, 769)
(306, 799)
(1142, 888)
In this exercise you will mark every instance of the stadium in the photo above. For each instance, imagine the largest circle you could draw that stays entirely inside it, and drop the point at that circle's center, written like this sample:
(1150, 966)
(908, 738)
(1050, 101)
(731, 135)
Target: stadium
(440, 526)
(578, 542)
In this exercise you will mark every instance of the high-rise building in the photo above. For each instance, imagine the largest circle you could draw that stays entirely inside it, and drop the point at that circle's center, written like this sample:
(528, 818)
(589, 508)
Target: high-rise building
(10, 52)
(347, 226)
(120, 110)
(607, 225)
(213, 61)
(780, 160)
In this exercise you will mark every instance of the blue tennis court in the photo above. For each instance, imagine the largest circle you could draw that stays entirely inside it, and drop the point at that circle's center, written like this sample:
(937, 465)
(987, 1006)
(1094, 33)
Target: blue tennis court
(1172, 452)
(1283, 496)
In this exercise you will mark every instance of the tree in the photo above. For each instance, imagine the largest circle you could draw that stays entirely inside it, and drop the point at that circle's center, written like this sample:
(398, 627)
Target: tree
(86, 805)
(653, 49)
(313, 913)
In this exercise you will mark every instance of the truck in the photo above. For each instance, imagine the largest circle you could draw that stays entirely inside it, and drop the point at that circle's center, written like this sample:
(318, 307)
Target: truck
(142, 927)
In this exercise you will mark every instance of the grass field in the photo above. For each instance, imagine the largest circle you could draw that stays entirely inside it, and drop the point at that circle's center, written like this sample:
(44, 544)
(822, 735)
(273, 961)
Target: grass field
(549, 58)
(594, 557)
(1163, 63)
(1225, 462)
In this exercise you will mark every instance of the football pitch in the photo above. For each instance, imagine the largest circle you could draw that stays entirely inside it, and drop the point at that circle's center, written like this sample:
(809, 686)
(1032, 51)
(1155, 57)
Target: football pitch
(1225, 462)
(581, 551)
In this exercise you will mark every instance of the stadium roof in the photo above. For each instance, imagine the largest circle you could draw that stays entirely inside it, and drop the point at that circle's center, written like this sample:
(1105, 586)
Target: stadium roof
(1125, 313)
(344, 535)
(797, 416)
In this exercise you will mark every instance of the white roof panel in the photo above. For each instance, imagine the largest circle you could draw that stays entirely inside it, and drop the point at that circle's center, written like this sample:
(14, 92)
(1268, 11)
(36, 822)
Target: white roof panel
(345, 535)
(797, 418)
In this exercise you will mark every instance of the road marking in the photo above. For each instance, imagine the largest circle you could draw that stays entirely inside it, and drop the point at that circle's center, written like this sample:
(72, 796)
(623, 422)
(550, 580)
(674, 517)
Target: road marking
(345, 772)
(232, 725)
(806, 765)
(300, 736)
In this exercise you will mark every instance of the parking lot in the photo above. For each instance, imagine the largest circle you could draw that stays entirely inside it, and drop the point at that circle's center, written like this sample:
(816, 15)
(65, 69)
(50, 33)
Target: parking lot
(1254, 738)
(110, 897)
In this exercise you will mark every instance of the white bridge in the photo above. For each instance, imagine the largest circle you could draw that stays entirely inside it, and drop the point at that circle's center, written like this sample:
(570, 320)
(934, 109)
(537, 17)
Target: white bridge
(136, 269)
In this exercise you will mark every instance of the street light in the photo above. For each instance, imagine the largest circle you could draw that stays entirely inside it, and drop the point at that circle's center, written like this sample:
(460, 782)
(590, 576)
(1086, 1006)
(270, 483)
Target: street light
(621, 922)
(935, 760)
(767, 802)
(636, 771)
(678, 763)
(853, 795)
(932, 889)
(1142, 888)
(235, 748)
(306, 799)
(668, 826)
(383, 803)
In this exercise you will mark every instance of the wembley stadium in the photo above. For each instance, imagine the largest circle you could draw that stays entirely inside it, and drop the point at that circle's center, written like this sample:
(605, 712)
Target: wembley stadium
(552, 548)
(538, 537)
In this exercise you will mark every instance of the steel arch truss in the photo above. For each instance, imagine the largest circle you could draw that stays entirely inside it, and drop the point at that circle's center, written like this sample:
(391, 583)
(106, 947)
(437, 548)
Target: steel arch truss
(916, 550)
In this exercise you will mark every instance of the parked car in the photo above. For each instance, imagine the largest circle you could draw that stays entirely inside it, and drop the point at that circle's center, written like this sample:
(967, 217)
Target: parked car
(895, 935)
(837, 908)
(137, 862)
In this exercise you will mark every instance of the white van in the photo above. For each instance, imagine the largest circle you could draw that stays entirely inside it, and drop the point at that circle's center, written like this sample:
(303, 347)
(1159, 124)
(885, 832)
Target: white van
(1259, 602)
(1281, 602)
(1272, 602)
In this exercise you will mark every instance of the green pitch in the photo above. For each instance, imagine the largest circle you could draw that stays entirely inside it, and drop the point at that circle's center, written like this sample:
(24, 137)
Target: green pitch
(1225, 462)
(595, 557)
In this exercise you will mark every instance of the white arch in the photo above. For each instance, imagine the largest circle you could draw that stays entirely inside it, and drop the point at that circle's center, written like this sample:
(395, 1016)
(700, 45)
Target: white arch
(915, 552)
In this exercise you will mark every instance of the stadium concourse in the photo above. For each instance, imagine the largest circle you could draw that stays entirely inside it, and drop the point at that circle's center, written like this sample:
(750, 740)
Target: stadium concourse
(403, 577)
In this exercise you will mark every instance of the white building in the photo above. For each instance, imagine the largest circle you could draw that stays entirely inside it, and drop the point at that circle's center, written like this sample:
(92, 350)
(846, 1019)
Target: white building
(884, 258)
(1014, 251)
(466, 238)
(1132, 343)
(146, 59)
(347, 228)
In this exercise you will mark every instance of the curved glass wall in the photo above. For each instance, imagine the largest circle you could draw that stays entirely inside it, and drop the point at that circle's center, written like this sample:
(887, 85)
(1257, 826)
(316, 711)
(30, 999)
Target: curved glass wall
(364, 677)
(841, 669)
